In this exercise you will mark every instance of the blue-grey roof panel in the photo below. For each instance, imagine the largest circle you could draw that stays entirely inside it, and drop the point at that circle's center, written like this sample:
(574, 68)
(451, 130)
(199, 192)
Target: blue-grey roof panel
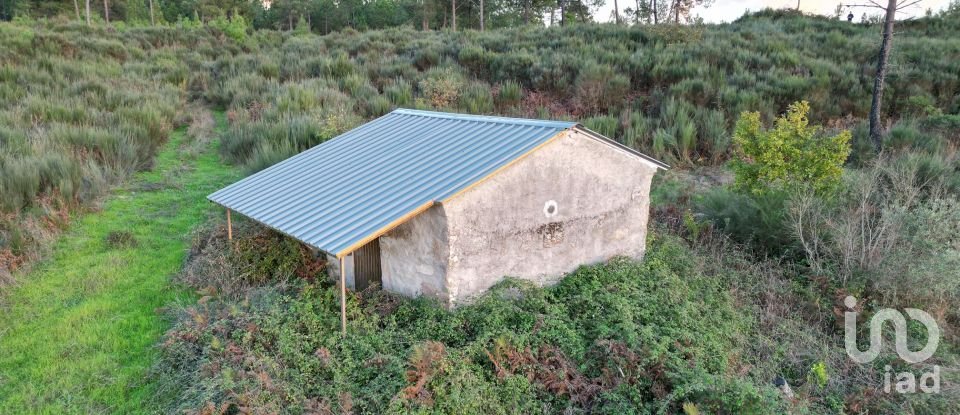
(341, 192)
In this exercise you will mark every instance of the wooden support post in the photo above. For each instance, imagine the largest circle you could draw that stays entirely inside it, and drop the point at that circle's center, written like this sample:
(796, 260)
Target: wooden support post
(229, 227)
(343, 299)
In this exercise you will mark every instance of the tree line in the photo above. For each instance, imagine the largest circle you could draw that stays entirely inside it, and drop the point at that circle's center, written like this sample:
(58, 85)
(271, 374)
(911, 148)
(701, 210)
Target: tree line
(324, 16)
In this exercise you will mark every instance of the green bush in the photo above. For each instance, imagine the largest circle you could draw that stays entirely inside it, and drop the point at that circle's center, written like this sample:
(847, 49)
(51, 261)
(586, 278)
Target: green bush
(235, 27)
(400, 93)
(599, 87)
(441, 87)
(792, 156)
(82, 109)
(605, 125)
(378, 106)
(509, 94)
(477, 99)
(475, 58)
(756, 220)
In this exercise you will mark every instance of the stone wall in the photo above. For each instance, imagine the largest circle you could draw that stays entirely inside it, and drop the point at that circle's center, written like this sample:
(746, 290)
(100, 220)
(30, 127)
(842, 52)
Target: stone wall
(574, 201)
(414, 256)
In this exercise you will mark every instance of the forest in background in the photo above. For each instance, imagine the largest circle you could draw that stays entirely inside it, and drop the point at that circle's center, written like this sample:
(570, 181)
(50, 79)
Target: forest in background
(326, 16)
(83, 108)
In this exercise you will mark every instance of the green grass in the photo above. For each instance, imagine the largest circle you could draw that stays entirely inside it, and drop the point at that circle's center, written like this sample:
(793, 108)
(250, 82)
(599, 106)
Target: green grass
(79, 331)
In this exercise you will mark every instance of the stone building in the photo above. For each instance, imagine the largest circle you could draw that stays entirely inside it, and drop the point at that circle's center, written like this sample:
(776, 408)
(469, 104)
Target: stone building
(446, 205)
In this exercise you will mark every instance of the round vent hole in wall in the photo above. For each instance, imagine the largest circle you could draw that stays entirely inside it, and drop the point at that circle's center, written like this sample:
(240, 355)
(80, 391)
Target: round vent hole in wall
(550, 208)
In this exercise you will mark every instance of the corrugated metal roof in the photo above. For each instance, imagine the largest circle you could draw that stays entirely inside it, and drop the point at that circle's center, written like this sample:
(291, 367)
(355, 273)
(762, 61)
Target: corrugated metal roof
(343, 192)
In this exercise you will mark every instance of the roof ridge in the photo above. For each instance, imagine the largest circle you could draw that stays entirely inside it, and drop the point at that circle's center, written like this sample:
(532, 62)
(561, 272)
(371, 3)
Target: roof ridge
(487, 118)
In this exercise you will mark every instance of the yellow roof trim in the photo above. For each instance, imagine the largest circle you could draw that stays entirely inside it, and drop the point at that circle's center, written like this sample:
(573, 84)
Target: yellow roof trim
(397, 222)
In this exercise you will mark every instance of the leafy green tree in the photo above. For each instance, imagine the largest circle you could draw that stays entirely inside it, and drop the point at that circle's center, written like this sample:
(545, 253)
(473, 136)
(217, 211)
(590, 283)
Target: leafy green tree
(302, 27)
(234, 27)
(792, 156)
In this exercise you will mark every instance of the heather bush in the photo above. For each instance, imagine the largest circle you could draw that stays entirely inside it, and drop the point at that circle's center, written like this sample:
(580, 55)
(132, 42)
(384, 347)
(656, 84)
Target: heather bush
(477, 99)
(400, 93)
(598, 87)
(756, 220)
(509, 94)
(378, 106)
(638, 130)
(689, 84)
(605, 125)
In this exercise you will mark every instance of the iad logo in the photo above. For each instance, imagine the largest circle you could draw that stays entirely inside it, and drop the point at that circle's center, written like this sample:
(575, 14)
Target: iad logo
(906, 381)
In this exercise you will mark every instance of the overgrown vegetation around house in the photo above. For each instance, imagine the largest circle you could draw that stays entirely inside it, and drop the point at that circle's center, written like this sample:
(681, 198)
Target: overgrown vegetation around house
(702, 324)
(719, 312)
(622, 337)
(884, 233)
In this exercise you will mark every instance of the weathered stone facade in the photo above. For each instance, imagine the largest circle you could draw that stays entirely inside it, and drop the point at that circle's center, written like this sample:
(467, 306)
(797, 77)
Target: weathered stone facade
(574, 201)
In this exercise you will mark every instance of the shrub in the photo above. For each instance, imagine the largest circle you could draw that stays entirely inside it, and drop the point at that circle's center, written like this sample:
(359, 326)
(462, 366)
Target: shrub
(400, 93)
(82, 109)
(638, 132)
(605, 125)
(892, 225)
(235, 27)
(680, 130)
(302, 28)
(509, 94)
(599, 87)
(474, 58)
(442, 87)
(712, 135)
(910, 136)
(340, 66)
(791, 156)
(378, 106)
(477, 99)
(756, 220)
(353, 84)
(515, 65)
(426, 58)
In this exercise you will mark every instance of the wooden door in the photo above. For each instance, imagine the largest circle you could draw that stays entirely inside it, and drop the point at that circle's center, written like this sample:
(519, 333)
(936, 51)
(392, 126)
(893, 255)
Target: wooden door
(366, 265)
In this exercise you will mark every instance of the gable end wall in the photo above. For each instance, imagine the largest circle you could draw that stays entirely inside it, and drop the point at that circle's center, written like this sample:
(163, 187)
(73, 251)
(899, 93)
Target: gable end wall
(505, 226)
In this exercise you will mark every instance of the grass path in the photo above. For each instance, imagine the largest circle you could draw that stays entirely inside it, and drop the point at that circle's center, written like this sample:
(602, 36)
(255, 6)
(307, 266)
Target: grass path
(78, 334)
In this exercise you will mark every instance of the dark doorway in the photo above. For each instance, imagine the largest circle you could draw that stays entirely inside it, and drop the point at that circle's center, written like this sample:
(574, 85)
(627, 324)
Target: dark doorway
(366, 265)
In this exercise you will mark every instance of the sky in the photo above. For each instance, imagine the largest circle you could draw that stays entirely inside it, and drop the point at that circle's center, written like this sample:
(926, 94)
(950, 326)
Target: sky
(730, 10)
